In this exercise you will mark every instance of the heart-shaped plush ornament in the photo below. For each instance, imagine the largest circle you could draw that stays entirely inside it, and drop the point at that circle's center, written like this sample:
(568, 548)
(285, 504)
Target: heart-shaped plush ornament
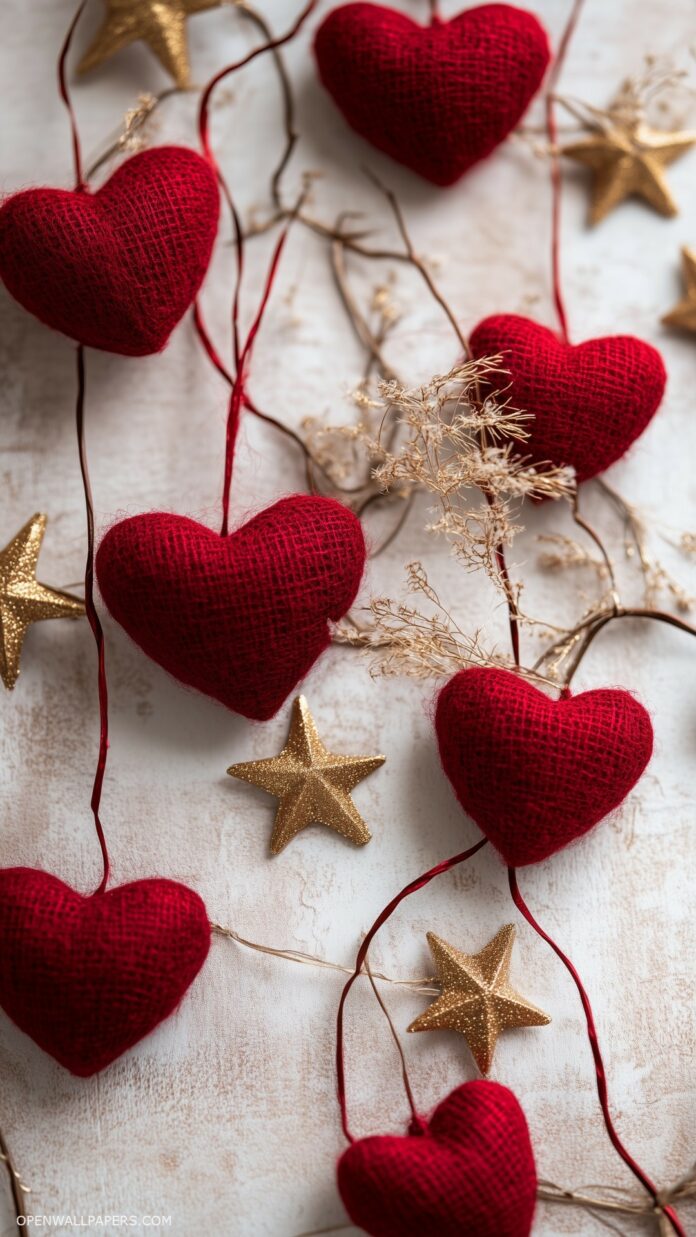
(88, 977)
(118, 268)
(438, 98)
(536, 773)
(589, 401)
(242, 618)
(472, 1172)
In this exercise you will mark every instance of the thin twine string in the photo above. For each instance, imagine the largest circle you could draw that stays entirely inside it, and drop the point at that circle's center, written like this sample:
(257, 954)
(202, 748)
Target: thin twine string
(427, 985)
(600, 1072)
(556, 176)
(242, 354)
(418, 1123)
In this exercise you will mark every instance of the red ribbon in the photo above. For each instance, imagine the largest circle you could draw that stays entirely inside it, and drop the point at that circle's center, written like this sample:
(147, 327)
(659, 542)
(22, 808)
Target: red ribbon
(93, 618)
(381, 919)
(627, 1158)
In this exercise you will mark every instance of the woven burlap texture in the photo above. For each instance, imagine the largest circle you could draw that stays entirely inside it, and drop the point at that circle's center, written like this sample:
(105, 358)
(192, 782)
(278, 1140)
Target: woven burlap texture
(88, 977)
(438, 98)
(471, 1173)
(535, 772)
(116, 269)
(242, 618)
(589, 401)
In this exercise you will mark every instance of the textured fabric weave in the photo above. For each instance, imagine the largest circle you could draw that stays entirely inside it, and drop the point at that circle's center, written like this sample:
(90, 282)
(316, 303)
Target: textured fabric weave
(536, 773)
(118, 268)
(242, 618)
(471, 1175)
(438, 98)
(589, 402)
(88, 977)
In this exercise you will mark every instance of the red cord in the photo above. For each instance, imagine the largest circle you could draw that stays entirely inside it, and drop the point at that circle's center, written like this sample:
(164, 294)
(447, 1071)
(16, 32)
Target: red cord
(271, 45)
(242, 354)
(65, 96)
(381, 919)
(556, 178)
(597, 1056)
(93, 618)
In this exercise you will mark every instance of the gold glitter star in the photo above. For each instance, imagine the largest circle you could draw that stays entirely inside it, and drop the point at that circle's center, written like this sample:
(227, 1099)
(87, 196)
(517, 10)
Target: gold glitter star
(159, 23)
(23, 600)
(477, 999)
(684, 313)
(312, 783)
(627, 160)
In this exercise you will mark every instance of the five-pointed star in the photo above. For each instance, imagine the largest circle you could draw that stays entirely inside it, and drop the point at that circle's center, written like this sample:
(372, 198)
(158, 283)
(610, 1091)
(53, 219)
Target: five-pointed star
(159, 23)
(684, 313)
(477, 999)
(628, 160)
(23, 600)
(313, 784)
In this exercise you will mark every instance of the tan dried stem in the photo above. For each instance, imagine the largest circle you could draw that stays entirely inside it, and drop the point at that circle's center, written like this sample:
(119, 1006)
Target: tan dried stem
(18, 1189)
(130, 137)
(656, 579)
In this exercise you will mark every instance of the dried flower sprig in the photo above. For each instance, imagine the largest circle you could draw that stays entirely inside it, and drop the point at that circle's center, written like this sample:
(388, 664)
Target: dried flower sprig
(418, 644)
(657, 88)
(463, 449)
(564, 552)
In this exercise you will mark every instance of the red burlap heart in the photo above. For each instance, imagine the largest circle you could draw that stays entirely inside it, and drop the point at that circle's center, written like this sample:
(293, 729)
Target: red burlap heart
(242, 618)
(87, 978)
(437, 99)
(589, 402)
(536, 773)
(472, 1173)
(118, 268)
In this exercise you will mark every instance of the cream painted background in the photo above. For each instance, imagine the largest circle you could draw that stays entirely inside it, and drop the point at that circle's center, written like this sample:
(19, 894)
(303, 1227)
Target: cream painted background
(226, 1117)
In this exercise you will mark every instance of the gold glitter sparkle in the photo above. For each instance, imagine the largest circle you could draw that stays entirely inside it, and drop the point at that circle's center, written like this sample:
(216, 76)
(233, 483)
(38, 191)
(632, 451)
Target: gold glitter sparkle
(23, 600)
(628, 160)
(312, 783)
(477, 999)
(684, 313)
(159, 23)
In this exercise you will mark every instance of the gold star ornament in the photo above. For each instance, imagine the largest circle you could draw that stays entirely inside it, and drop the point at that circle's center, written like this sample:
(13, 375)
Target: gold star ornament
(628, 159)
(477, 999)
(312, 783)
(684, 313)
(23, 600)
(159, 23)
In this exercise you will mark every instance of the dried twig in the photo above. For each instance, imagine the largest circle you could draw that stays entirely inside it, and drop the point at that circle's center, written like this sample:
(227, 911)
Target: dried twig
(17, 1187)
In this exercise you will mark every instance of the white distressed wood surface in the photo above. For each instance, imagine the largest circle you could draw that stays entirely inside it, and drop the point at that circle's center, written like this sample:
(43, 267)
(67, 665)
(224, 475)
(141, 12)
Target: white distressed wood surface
(226, 1118)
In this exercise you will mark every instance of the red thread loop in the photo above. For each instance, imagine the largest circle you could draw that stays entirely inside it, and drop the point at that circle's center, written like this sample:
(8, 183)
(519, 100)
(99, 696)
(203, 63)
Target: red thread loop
(65, 96)
(381, 919)
(93, 618)
(418, 1127)
(600, 1072)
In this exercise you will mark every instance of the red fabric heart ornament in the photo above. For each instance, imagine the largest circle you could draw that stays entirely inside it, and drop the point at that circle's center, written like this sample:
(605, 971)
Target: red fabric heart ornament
(242, 618)
(472, 1172)
(118, 268)
(536, 773)
(589, 401)
(88, 977)
(439, 98)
